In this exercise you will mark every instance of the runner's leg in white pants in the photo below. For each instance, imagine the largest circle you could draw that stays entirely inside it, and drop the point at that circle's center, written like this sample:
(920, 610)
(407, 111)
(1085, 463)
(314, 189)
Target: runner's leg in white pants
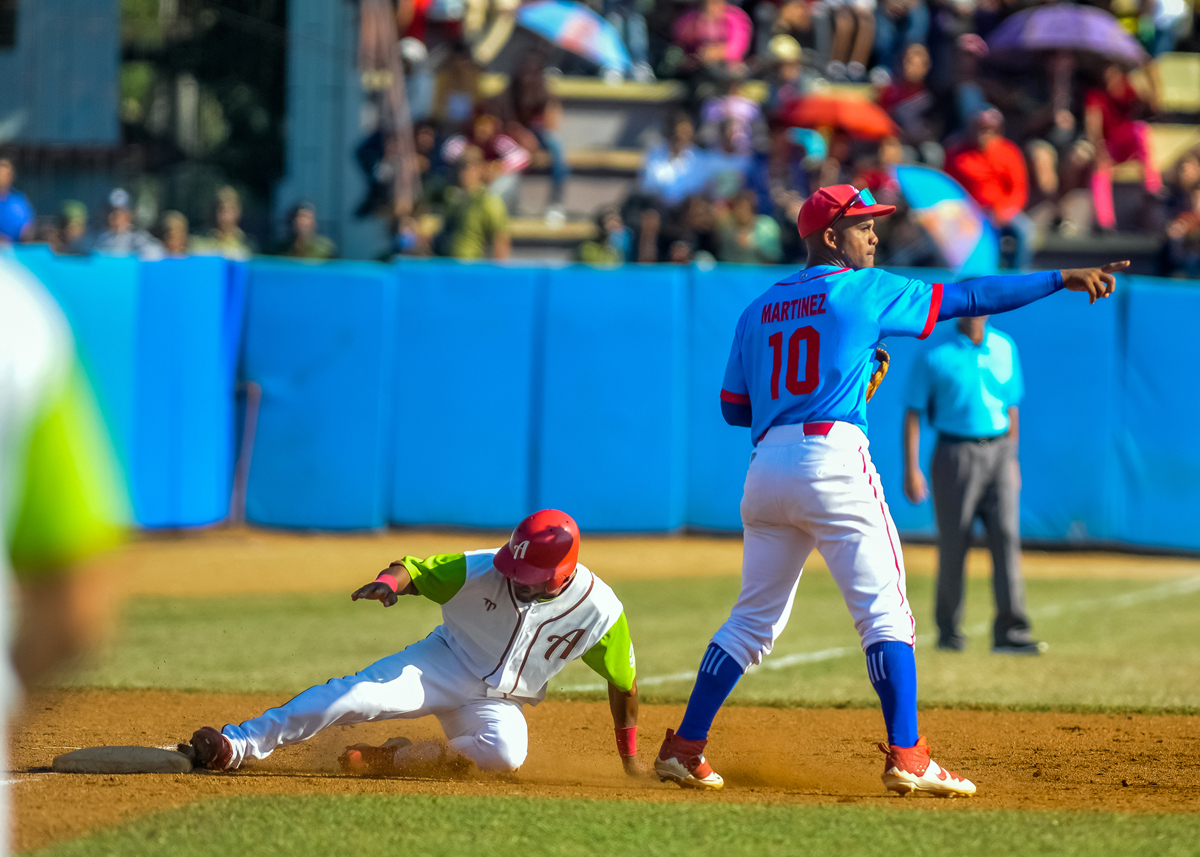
(425, 678)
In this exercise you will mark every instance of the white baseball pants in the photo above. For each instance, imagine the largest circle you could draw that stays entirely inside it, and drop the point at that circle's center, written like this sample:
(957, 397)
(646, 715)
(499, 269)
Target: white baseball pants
(812, 491)
(425, 678)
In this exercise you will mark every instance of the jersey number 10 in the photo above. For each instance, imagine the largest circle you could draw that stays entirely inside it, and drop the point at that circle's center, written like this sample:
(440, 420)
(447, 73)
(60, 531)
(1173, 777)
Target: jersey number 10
(795, 385)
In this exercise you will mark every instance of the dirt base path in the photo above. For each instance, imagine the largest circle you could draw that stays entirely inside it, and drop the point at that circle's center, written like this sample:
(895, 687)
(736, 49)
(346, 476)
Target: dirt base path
(1018, 760)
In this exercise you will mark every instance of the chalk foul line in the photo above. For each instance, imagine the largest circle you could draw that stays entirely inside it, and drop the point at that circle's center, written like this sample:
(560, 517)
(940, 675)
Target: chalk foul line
(1172, 589)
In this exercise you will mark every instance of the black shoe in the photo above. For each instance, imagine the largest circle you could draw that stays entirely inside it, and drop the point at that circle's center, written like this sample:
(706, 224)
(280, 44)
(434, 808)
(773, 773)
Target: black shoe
(1033, 647)
(952, 644)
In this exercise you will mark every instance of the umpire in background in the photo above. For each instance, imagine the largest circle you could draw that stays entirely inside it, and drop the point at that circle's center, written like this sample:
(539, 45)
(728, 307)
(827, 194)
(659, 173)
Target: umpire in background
(969, 388)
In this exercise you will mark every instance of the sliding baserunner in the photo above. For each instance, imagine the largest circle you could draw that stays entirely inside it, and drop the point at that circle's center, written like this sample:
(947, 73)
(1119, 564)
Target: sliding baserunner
(513, 617)
(797, 377)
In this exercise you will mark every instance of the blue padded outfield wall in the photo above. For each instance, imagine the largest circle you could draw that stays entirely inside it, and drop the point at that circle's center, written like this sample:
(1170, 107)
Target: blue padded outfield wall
(435, 392)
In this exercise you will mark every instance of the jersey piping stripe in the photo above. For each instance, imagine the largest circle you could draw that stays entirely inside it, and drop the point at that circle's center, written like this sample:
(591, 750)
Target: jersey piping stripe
(895, 556)
(538, 632)
(935, 306)
(520, 620)
(735, 398)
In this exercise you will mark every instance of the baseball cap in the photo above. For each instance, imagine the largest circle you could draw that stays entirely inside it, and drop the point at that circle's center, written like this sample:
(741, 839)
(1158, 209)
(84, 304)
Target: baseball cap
(840, 200)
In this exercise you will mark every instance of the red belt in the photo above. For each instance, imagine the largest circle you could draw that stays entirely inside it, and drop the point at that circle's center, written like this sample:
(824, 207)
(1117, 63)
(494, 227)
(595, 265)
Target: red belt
(817, 428)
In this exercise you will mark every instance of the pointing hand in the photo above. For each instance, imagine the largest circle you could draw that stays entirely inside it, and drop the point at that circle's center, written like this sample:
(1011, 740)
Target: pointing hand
(1097, 282)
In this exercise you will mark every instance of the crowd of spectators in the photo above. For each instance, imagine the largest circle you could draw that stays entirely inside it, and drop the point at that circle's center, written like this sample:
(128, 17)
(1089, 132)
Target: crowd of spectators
(1036, 146)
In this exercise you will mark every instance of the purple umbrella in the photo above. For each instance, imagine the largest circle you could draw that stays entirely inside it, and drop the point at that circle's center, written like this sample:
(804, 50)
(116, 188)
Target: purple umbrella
(1066, 27)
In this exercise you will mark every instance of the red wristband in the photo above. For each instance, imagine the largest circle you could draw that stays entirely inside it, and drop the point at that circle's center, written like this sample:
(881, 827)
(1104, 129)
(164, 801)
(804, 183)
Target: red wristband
(392, 582)
(627, 740)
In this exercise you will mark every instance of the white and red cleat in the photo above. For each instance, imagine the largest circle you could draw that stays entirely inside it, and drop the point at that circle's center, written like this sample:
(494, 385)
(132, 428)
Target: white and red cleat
(683, 762)
(910, 769)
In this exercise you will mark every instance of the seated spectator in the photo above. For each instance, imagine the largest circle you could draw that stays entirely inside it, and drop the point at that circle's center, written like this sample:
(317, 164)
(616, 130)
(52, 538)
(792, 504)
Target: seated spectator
(303, 241)
(694, 227)
(785, 76)
(747, 237)
(966, 93)
(992, 170)
(16, 214)
(1060, 199)
(803, 21)
(727, 165)
(741, 114)
(853, 38)
(613, 244)
(536, 117)
(714, 39)
(226, 237)
(409, 238)
(476, 219)
(1109, 113)
(1185, 178)
(675, 169)
(175, 238)
(899, 24)
(1183, 240)
(781, 170)
(503, 158)
(72, 229)
(123, 238)
(909, 102)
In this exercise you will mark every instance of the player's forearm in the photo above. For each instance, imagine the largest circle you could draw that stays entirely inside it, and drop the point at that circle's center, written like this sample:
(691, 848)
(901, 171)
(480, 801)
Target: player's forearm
(398, 578)
(624, 707)
(992, 295)
(912, 438)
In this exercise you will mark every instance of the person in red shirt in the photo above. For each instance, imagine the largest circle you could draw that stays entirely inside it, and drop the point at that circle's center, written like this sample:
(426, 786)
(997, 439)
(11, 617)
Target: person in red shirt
(992, 169)
(1108, 118)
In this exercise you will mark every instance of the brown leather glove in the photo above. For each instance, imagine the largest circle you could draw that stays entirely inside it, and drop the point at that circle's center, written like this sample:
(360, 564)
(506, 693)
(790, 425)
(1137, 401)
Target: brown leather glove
(880, 371)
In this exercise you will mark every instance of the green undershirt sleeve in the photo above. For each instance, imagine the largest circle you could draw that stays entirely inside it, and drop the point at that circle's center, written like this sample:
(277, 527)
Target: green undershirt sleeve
(438, 577)
(612, 658)
(73, 502)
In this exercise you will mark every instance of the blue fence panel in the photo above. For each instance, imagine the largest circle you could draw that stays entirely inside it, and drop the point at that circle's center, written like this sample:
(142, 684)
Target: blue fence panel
(99, 297)
(613, 442)
(718, 453)
(464, 373)
(318, 342)
(1159, 459)
(183, 452)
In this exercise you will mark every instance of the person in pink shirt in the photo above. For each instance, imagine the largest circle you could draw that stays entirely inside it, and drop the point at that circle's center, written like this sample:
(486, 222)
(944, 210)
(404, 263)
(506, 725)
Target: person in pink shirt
(714, 37)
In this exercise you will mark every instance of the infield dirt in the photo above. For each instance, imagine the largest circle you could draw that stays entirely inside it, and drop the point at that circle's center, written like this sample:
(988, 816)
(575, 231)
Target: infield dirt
(1019, 760)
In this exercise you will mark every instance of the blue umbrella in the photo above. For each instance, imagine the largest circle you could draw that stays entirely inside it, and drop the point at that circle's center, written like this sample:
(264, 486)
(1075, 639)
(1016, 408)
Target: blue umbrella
(952, 218)
(576, 28)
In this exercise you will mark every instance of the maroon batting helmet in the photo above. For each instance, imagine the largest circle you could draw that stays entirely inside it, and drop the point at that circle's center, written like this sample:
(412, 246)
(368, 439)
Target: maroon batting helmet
(544, 548)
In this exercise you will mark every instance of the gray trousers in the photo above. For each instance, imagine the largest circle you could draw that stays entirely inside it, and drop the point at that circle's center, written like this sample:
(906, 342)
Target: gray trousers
(973, 480)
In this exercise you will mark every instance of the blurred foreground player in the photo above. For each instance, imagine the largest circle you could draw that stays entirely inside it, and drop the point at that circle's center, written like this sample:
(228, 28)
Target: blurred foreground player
(60, 498)
(797, 376)
(513, 617)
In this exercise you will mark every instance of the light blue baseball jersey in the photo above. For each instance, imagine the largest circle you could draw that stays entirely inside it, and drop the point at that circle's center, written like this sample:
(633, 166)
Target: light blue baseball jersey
(803, 350)
(965, 388)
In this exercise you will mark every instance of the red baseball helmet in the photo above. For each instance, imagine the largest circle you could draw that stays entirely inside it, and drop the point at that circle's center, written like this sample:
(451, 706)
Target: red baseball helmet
(544, 548)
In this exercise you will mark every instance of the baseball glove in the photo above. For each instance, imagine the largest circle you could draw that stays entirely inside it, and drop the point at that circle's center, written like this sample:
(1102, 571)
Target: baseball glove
(880, 371)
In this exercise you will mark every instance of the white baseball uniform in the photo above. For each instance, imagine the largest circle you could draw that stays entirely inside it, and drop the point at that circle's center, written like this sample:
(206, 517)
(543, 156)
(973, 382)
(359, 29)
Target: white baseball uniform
(491, 655)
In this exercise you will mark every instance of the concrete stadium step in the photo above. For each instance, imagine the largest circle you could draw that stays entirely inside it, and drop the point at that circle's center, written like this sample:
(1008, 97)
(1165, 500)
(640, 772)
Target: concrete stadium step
(599, 178)
(533, 239)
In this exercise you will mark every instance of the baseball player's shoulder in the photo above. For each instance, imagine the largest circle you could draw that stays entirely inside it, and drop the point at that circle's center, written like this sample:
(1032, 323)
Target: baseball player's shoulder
(601, 593)
(999, 340)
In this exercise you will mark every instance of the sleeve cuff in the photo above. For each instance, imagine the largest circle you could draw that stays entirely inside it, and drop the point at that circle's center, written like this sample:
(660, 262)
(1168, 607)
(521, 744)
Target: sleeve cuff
(935, 305)
(735, 398)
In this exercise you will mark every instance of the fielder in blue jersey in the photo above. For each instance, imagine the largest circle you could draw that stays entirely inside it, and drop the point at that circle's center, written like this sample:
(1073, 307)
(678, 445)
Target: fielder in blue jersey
(797, 377)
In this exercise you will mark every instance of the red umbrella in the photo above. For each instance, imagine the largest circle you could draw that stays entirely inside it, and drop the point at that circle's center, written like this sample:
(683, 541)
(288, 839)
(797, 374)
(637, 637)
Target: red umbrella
(856, 116)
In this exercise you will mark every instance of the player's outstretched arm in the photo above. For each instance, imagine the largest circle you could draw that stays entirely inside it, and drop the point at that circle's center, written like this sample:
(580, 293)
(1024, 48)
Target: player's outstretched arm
(624, 707)
(391, 583)
(1004, 292)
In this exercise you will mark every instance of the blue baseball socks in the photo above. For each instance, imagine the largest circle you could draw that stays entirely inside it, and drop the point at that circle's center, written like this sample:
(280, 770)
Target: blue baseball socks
(893, 672)
(718, 674)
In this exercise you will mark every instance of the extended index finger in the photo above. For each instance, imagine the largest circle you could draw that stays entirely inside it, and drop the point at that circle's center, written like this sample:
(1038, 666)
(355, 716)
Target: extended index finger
(1115, 266)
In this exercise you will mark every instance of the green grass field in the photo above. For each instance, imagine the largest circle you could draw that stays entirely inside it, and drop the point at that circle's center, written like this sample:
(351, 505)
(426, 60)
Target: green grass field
(1113, 643)
(452, 826)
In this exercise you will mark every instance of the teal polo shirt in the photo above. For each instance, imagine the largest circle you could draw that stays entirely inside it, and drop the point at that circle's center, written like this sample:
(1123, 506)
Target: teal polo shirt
(966, 389)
